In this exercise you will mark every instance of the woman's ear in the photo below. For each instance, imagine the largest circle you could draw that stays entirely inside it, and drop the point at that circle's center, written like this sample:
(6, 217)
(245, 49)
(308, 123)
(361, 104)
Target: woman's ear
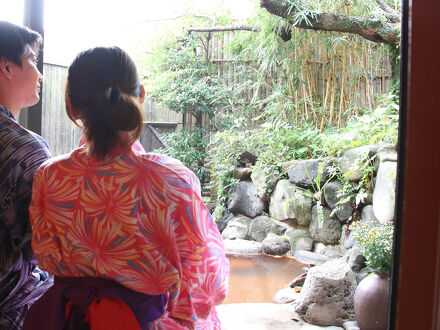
(73, 111)
(142, 94)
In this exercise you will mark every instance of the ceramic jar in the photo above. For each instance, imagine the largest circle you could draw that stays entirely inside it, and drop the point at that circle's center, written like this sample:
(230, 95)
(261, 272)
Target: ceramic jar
(371, 302)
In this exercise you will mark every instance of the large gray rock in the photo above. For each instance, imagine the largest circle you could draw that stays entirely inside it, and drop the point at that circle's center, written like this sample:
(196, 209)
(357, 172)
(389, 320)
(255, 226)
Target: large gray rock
(309, 258)
(346, 238)
(356, 260)
(281, 201)
(237, 228)
(307, 170)
(364, 272)
(242, 173)
(326, 298)
(302, 207)
(368, 213)
(264, 179)
(262, 225)
(276, 245)
(286, 166)
(385, 192)
(222, 222)
(300, 239)
(332, 194)
(386, 153)
(244, 199)
(351, 161)
(241, 247)
(333, 198)
(331, 251)
(330, 231)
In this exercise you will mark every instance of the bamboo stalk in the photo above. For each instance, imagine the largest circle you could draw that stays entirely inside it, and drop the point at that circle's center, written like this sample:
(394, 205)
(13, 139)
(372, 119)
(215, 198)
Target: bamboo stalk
(306, 59)
(365, 89)
(332, 101)
(333, 93)
(295, 55)
(341, 98)
(221, 53)
(371, 85)
(313, 69)
(324, 64)
(296, 107)
(306, 112)
(329, 78)
(358, 83)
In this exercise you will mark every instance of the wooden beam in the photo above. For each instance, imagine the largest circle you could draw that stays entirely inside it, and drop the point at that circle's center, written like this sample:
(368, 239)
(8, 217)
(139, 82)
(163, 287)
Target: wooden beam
(222, 29)
(416, 274)
(31, 117)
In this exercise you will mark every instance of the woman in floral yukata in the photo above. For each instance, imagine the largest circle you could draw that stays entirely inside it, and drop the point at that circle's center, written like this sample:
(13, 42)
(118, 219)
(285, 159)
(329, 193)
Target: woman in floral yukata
(109, 210)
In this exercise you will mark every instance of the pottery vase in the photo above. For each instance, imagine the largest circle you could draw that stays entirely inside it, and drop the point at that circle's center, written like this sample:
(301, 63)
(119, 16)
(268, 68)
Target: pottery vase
(371, 302)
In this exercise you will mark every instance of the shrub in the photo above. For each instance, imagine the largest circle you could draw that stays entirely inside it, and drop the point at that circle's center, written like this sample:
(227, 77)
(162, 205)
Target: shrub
(188, 146)
(375, 242)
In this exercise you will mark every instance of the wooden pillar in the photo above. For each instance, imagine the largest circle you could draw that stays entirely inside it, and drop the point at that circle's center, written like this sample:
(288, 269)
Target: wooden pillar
(31, 117)
(416, 273)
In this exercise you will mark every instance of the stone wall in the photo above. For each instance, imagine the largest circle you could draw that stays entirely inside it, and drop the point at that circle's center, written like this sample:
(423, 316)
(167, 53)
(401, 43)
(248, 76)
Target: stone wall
(306, 207)
(304, 214)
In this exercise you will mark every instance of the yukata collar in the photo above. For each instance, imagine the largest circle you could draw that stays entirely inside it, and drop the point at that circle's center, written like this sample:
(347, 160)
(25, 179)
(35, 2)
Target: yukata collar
(5, 112)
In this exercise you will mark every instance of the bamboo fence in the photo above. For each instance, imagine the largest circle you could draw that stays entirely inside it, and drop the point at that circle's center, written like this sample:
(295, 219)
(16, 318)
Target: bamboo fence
(334, 82)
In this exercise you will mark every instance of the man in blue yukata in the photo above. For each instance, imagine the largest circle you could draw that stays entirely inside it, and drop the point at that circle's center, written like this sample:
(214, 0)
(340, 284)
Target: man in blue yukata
(21, 153)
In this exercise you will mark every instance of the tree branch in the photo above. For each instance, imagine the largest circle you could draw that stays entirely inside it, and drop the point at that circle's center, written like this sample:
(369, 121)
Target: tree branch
(222, 29)
(393, 15)
(370, 29)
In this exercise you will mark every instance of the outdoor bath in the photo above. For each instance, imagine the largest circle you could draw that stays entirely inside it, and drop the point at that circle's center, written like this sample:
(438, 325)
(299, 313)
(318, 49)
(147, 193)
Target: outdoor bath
(256, 278)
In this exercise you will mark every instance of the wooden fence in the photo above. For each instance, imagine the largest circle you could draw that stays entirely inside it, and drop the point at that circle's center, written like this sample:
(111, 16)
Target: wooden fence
(63, 136)
(328, 83)
(58, 130)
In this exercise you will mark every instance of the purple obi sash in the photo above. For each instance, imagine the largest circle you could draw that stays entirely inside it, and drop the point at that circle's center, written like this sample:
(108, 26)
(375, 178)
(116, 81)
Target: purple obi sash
(48, 313)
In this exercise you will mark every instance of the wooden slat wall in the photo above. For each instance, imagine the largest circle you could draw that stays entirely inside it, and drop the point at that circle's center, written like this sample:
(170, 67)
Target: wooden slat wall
(59, 131)
(155, 112)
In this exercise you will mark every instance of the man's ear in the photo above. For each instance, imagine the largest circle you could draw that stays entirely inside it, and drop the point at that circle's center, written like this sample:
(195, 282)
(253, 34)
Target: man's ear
(142, 94)
(5, 68)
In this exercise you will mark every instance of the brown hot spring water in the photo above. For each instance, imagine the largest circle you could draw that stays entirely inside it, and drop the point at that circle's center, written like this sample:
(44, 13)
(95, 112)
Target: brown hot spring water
(256, 278)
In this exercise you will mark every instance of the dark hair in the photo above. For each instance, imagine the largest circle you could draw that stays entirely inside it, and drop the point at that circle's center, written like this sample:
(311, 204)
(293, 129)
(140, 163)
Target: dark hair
(13, 41)
(103, 86)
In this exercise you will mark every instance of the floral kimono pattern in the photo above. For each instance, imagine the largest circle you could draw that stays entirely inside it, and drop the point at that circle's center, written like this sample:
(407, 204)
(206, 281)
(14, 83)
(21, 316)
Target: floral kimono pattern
(135, 218)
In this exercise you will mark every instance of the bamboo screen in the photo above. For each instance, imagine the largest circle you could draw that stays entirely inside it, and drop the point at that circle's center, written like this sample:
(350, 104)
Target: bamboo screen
(328, 84)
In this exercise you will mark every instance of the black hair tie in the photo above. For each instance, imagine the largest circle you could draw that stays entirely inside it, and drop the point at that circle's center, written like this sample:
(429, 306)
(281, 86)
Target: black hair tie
(112, 95)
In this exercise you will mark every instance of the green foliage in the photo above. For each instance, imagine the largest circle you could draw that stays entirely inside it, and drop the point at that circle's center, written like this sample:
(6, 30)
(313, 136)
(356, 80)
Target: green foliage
(188, 146)
(373, 126)
(318, 187)
(375, 242)
(275, 143)
(358, 191)
(182, 80)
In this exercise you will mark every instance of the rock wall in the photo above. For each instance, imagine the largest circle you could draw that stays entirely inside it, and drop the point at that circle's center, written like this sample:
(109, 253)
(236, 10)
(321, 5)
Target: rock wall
(306, 206)
(305, 215)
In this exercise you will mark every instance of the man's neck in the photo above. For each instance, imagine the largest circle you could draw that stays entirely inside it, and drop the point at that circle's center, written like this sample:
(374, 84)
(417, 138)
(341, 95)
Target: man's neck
(13, 110)
(5, 112)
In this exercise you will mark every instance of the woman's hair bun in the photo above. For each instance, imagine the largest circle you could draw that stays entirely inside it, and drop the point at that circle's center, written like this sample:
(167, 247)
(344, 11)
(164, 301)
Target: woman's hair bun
(103, 84)
(124, 111)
